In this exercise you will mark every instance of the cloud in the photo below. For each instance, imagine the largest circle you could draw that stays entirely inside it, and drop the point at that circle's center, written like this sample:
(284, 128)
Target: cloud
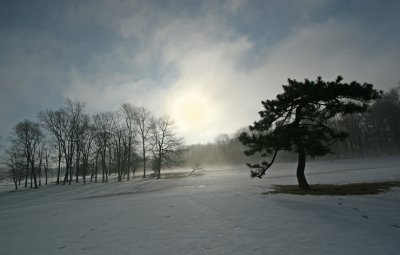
(110, 92)
(335, 48)
(211, 59)
(28, 78)
(234, 53)
(206, 54)
(193, 54)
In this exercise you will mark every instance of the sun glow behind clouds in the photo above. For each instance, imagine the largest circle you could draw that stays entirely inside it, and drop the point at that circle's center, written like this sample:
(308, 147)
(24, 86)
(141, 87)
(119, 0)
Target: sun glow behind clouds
(192, 110)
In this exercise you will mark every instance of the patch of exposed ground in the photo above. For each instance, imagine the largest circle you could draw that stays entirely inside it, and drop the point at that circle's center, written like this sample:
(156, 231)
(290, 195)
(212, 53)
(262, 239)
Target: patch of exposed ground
(369, 188)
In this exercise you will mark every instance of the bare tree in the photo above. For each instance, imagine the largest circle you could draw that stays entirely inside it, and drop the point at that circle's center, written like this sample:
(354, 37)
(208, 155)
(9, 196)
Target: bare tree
(65, 126)
(127, 111)
(87, 144)
(166, 146)
(46, 164)
(385, 118)
(26, 138)
(15, 164)
(104, 124)
(82, 128)
(41, 153)
(73, 130)
(53, 121)
(118, 142)
(143, 118)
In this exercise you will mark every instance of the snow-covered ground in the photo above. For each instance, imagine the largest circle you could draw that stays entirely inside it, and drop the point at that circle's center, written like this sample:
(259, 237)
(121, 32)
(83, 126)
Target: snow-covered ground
(222, 211)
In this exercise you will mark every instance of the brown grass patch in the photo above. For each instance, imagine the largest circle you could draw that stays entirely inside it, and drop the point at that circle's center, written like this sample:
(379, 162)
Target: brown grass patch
(369, 188)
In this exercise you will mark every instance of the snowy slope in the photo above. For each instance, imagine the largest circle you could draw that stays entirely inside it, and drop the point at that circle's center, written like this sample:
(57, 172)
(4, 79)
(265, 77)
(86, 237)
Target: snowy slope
(222, 211)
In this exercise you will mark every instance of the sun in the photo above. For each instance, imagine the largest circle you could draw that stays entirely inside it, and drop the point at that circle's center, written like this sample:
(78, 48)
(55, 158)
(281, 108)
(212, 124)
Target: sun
(192, 110)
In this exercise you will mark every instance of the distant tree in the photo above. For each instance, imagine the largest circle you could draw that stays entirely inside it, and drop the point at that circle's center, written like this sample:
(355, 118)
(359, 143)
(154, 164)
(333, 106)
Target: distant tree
(374, 133)
(26, 138)
(142, 118)
(65, 125)
(166, 146)
(355, 145)
(297, 120)
(104, 123)
(87, 145)
(46, 163)
(194, 156)
(15, 164)
(118, 135)
(75, 124)
(54, 122)
(222, 139)
(41, 153)
(83, 132)
(128, 113)
(385, 118)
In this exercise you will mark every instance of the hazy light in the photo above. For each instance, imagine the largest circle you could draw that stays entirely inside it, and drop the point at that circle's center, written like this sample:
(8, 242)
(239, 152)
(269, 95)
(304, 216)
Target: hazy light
(192, 110)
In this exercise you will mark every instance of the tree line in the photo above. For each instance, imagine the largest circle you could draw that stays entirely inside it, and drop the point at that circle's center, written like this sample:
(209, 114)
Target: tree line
(374, 133)
(83, 147)
(80, 147)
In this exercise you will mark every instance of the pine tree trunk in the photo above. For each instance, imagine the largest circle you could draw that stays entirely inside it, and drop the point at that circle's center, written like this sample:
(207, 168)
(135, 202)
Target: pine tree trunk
(301, 178)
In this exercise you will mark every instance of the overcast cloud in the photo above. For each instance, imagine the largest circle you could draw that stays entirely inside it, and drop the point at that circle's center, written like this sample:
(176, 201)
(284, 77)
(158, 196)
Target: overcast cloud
(150, 53)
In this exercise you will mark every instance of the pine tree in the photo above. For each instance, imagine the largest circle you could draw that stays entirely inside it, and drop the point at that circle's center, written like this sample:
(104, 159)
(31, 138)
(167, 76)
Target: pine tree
(297, 120)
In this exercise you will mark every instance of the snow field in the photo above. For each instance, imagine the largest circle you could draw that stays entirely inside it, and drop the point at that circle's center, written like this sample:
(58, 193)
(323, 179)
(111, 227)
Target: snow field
(222, 211)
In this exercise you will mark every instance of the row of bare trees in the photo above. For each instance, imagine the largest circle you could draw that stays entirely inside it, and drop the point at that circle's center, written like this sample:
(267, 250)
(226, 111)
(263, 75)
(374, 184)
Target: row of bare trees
(80, 146)
(375, 133)
(120, 142)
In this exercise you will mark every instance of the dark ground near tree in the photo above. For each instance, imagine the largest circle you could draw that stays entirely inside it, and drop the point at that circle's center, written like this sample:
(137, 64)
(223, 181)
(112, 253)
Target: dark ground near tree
(368, 188)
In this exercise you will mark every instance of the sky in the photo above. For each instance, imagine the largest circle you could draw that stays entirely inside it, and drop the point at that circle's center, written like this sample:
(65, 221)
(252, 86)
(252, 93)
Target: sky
(207, 64)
